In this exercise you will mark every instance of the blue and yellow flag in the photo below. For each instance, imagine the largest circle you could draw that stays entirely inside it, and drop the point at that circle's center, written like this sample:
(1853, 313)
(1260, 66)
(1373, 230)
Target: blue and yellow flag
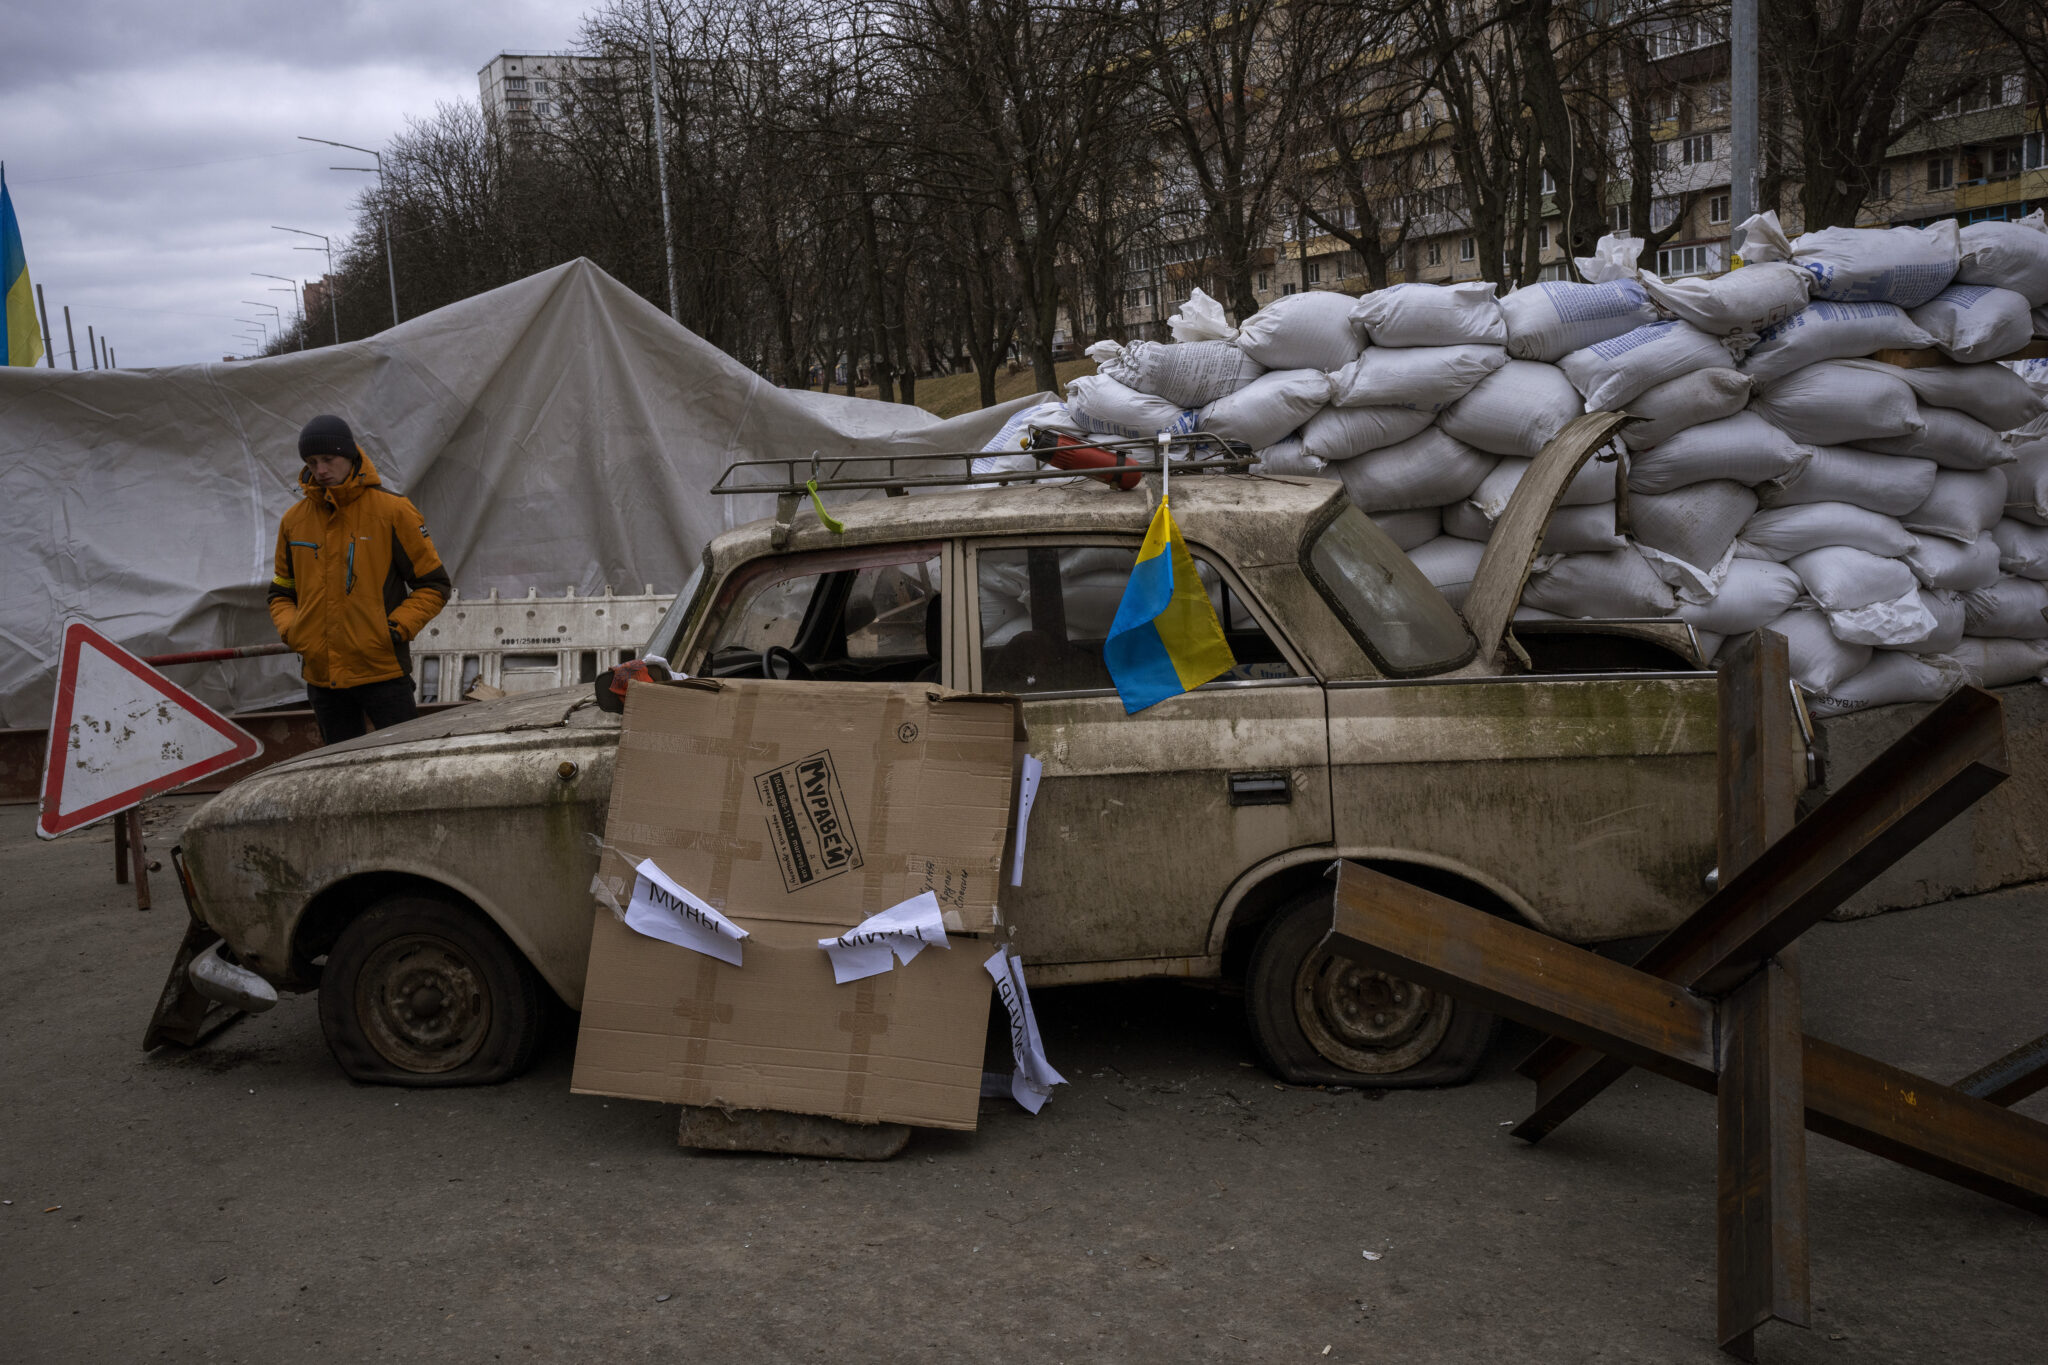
(21, 341)
(1166, 638)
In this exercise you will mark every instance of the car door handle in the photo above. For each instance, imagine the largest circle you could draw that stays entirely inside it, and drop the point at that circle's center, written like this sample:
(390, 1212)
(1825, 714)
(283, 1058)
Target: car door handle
(1260, 789)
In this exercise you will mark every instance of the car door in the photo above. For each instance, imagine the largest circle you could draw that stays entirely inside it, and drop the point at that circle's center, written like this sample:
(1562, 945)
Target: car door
(1142, 822)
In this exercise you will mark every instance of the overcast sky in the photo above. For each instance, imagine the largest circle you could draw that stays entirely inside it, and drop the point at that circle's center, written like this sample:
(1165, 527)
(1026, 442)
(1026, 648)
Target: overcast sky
(149, 146)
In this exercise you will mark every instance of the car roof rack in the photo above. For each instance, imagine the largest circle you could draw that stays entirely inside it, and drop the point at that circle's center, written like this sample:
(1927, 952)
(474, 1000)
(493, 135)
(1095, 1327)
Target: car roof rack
(791, 478)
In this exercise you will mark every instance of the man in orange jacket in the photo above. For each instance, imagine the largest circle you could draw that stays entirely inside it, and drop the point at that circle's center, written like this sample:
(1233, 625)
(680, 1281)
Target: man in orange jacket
(356, 579)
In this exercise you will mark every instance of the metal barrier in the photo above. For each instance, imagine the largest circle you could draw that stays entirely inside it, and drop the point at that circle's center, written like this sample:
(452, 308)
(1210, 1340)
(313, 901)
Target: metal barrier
(530, 643)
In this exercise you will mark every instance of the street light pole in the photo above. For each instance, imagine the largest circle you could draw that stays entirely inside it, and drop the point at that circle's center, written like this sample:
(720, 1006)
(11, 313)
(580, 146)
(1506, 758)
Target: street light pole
(383, 209)
(327, 281)
(291, 287)
(1743, 117)
(668, 231)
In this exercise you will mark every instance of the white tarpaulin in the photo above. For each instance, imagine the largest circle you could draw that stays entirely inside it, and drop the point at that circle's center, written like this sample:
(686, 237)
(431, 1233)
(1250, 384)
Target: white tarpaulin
(560, 431)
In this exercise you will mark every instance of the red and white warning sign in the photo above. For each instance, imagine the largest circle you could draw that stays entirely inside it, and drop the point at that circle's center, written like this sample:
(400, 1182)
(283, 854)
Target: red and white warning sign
(121, 732)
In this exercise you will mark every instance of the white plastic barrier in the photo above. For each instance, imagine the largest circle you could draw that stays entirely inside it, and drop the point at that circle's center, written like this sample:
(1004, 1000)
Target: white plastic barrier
(530, 643)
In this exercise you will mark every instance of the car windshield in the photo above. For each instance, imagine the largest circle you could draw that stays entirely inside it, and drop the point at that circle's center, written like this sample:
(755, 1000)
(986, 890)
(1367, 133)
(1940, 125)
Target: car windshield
(1404, 623)
(668, 635)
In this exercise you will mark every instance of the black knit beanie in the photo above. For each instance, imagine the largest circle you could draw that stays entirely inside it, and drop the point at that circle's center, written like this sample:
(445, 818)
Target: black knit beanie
(328, 435)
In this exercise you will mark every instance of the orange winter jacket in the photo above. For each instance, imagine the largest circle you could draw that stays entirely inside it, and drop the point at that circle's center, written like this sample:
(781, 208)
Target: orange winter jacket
(356, 579)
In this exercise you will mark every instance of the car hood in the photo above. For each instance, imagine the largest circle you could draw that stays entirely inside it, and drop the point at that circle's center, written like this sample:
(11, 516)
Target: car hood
(560, 708)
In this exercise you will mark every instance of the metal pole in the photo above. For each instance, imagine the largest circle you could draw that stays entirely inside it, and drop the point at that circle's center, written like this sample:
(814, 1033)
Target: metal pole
(112, 363)
(49, 342)
(92, 346)
(1742, 119)
(668, 232)
(70, 339)
(384, 210)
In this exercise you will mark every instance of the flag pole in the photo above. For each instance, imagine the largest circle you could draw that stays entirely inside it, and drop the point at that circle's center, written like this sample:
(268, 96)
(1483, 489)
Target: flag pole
(1164, 442)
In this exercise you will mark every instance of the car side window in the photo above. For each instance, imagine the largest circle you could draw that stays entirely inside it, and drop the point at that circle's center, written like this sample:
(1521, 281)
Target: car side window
(872, 622)
(1046, 611)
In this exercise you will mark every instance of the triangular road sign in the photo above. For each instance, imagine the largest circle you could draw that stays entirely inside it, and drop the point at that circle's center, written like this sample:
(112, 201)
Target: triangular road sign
(121, 732)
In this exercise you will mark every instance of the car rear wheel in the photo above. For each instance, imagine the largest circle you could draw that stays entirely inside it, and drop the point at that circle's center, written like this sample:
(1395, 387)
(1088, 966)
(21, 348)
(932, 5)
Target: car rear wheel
(418, 991)
(1321, 1019)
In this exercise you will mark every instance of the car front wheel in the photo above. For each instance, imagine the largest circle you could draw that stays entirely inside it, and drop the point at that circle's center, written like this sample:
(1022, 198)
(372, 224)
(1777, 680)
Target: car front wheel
(418, 991)
(1321, 1019)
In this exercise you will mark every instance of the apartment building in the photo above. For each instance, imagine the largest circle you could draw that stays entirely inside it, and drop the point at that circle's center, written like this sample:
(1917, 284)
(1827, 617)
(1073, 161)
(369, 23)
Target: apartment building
(529, 90)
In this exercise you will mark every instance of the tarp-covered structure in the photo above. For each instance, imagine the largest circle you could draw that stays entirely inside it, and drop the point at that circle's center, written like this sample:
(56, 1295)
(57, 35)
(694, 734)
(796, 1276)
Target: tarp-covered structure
(560, 432)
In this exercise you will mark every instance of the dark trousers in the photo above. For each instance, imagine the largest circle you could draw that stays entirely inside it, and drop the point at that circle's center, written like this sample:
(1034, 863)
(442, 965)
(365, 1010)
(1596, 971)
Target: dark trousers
(341, 711)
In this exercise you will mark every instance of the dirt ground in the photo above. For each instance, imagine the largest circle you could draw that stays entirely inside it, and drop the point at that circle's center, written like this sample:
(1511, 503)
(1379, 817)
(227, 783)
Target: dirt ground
(244, 1203)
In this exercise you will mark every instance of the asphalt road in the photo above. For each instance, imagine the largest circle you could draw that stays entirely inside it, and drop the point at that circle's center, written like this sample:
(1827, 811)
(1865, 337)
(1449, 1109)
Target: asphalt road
(244, 1203)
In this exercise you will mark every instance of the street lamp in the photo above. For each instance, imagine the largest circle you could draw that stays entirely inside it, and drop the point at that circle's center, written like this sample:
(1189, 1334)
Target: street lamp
(291, 287)
(258, 303)
(383, 205)
(333, 313)
(259, 322)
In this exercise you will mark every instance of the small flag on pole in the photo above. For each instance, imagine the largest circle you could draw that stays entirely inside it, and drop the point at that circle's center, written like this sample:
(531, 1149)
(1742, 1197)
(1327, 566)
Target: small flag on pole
(1166, 638)
(21, 341)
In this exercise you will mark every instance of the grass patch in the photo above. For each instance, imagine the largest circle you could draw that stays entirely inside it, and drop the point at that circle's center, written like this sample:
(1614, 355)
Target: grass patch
(952, 394)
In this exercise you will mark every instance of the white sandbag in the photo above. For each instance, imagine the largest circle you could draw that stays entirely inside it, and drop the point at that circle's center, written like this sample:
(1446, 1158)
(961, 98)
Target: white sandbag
(1201, 318)
(1594, 483)
(1754, 592)
(1963, 505)
(1465, 521)
(1289, 456)
(1516, 410)
(1449, 563)
(1953, 440)
(1615, 257)
(1993, 394)
(1890, 679)
(2022, 549)
(1891, 484)
(1830, 331)
(1108, 408)
(1609, 373)
(1549, 321)
(1946, 609)
(1840, 576)
(1430, 378)
(1954, 565)
(1267, 409)
(2010, 255)
(1431, 315)
(1781, 532)
(1191, 374)
(1976, 322)
(1837, 403)
(1581, 531)
(1619, 583)
(1745, 448)
(1429, 470)
(1342, 433)
(2001, 663)
(2026, 482)
(1905, 266)
(1015, 434)
(1696, 524)
(1688, 401)
(1740, 303)
(1309, 331)
(1895, 623)
(1413, 527)
(2010, 609)
(1820, 662)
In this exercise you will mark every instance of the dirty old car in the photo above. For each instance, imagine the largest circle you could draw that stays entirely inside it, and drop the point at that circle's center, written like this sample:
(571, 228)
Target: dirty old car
(433, 880)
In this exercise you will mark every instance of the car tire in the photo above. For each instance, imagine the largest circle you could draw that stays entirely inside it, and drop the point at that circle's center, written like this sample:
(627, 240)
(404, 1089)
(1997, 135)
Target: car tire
(422, 992)
(1320, 1019)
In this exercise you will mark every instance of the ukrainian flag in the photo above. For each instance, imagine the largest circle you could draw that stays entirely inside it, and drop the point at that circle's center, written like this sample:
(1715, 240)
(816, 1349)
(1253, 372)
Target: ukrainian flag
(1166, 638)
(21, 341)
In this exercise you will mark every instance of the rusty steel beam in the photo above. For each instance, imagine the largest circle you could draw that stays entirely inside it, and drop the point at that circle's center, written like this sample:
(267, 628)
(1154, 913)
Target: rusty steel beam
(1522, 974)
(2013, 1077)
(1933, 772)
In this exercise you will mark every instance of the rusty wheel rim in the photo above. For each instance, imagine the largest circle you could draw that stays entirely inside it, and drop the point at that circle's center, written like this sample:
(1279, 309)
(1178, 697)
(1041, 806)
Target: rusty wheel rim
(1365, 1020)
(423, 1004)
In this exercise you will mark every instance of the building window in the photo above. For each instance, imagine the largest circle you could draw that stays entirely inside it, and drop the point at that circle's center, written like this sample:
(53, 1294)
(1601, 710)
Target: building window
(1265, 282)
(1180, 292)
(515, 82)
(1696, 150)
(1884, 183)
(1543, 237)
(1549, 183)
(2034, 151)
(1314, 271)
(1434, 253)
(1688, 260)
(540, 87)
(1620, 218)
(2005, 161)
(1290, 287)
(1468, 250)
(1717, 208)
(1663, 212)
(1715, 98)
(1941, 173)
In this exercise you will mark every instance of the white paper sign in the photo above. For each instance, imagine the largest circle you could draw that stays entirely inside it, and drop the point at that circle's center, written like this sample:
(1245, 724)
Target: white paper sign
(1034, 1078)
(1027, 792)
(900, 932)
(662, 909)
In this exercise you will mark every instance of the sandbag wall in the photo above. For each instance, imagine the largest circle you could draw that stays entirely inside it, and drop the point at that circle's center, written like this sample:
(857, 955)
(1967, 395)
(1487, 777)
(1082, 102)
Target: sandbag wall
(1890, 521)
